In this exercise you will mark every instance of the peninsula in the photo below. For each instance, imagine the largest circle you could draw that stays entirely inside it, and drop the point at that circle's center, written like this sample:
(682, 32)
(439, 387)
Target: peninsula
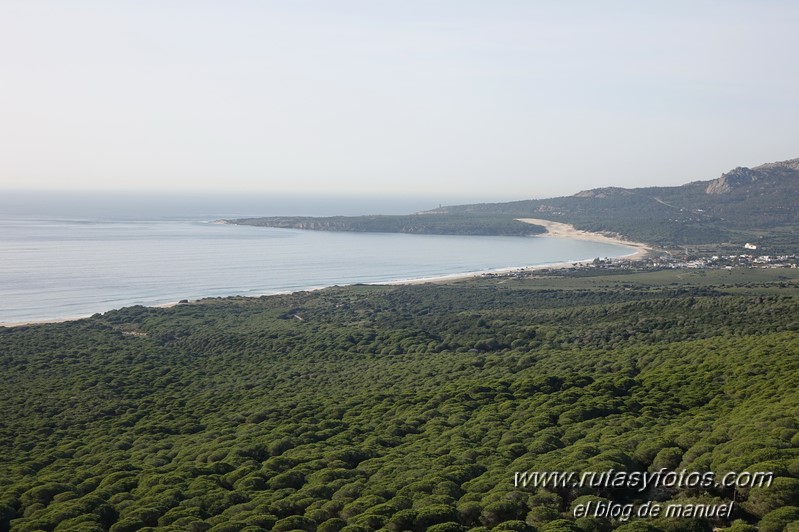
(744, 205)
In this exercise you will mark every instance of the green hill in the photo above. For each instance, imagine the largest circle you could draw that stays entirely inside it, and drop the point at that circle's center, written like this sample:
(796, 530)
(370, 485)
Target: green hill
(479, 224)
(759, 204)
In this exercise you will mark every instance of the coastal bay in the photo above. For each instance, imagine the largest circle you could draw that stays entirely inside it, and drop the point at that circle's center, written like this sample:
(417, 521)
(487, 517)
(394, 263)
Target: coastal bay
(57, 269)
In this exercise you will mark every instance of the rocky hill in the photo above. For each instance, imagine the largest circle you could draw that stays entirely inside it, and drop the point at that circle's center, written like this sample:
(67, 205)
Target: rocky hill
(744, 204)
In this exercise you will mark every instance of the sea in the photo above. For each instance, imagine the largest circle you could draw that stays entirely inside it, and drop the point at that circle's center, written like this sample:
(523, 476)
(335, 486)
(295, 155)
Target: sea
(69, 255)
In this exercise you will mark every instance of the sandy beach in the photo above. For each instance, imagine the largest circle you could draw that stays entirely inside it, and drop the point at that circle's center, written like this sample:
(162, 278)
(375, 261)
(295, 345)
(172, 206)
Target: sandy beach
(562, 230)
(40, 322)
(554, 229)
(70, 318)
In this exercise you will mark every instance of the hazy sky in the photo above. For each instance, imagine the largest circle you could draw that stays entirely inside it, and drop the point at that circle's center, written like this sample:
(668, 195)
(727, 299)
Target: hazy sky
(503, 99)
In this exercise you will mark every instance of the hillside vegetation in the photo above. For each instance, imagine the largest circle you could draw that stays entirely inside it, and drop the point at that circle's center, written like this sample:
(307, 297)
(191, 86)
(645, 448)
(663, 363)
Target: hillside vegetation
(760, 204)
(406, 408)
(429, 224)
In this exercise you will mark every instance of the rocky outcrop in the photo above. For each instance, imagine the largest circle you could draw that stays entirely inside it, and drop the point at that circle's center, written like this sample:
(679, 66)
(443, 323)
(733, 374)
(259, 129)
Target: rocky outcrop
(763, 175)
(733, 179)
(792, 164)
(602, 193)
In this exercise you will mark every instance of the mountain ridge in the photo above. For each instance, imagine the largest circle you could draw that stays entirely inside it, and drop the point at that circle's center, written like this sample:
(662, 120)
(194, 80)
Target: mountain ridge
(742, 175)
(743, 204)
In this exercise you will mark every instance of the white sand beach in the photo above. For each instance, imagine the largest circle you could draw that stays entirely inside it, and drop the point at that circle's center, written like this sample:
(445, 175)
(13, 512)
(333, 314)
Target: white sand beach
(562, 230)
(554, 229)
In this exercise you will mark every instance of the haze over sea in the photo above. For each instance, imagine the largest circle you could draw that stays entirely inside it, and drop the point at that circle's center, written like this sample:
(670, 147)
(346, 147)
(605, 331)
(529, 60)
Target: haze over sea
(72, 255)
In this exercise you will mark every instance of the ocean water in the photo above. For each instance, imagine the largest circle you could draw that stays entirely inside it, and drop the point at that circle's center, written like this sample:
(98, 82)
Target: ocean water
(53, 267)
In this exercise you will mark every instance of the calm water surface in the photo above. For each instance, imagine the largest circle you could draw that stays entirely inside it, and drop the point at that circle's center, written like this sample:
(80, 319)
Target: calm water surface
(56, 268)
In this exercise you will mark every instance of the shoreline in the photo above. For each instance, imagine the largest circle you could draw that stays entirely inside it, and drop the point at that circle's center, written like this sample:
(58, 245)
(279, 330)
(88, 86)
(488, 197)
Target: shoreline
(553, 229)
(562, 230)
(452, 277)
(76, 318)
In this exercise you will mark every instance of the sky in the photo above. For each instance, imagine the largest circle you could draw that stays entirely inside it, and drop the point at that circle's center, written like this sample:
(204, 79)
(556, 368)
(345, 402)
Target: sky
(501, 99)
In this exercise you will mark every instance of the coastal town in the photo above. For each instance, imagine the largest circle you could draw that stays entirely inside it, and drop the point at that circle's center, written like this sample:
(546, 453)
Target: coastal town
(654, 262)
(648, 258)
(712, 262)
